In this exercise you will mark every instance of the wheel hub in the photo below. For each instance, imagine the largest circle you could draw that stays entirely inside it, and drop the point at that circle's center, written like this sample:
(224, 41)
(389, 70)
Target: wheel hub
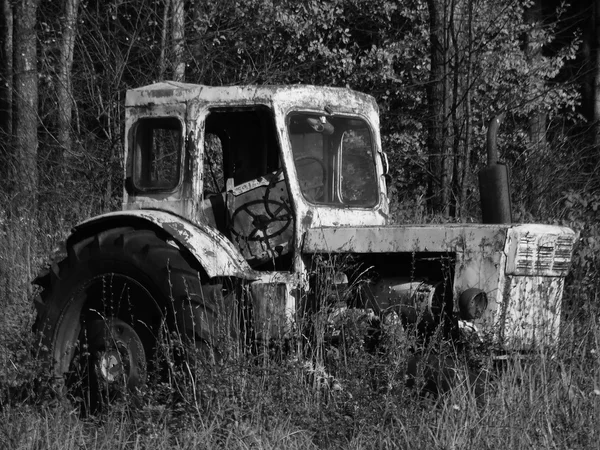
(111, 366)
(118, 357)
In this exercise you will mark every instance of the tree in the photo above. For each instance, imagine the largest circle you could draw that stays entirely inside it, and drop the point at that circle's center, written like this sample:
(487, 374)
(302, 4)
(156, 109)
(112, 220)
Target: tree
(6, 84)
(25, 117)
(64, 88)
(6, 71)
(438, 93)
(438, 77)
(596, 64)
(479, 68)
(178, 37)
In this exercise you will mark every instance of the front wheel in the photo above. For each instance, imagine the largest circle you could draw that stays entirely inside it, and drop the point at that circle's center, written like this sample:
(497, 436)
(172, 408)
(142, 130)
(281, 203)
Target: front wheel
(102, 309)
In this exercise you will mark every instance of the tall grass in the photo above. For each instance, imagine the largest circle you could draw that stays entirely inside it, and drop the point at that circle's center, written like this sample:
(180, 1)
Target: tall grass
(549, 401)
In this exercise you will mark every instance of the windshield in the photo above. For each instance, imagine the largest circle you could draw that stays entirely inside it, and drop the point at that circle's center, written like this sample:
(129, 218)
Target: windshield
(334, 158)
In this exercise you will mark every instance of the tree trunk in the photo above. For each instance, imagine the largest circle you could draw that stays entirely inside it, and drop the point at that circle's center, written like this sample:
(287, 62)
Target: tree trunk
(456, 38)
(6, 71)
(596, 60)
(64, 89)
(25, 117)
(163, 42)
(588, 39)
(461, 37)
(537, 119)
(466, 167)
(437, 93)
(178, 36)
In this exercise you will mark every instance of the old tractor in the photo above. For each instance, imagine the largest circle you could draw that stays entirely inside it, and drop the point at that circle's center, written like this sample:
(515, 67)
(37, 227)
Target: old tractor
(234, 197)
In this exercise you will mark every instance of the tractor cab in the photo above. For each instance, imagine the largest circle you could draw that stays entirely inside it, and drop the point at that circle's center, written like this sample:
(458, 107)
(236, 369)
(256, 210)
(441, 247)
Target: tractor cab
(259, 165)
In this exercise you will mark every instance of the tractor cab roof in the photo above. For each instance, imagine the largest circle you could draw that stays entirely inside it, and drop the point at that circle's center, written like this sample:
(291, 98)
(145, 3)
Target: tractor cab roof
(330, 99)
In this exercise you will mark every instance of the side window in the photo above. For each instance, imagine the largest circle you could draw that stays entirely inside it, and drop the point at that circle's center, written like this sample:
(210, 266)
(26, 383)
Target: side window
(213, 176)
(158, 143)
(359, 179)
(240, 144)
(311, 163)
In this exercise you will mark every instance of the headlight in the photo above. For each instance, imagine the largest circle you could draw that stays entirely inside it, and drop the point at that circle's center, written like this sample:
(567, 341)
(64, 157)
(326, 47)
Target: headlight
(472, 303)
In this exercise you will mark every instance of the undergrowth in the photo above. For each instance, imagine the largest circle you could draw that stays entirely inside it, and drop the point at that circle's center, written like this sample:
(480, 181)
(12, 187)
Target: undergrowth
(342, 396)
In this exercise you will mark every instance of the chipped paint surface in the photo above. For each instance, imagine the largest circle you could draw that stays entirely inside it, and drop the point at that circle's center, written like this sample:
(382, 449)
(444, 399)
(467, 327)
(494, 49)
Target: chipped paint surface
(310, 97)
(530, 314)
(526, 309)
(218, 256)
(179, 99)
(393, 239)
(521, 268)
(273, 309)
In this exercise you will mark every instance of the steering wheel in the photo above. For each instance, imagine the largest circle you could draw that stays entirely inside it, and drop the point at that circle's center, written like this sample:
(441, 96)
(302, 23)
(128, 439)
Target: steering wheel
(313, 191)
(259, 223)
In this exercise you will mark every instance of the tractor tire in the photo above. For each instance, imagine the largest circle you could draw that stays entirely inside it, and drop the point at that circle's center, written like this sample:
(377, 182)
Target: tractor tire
(102, 309)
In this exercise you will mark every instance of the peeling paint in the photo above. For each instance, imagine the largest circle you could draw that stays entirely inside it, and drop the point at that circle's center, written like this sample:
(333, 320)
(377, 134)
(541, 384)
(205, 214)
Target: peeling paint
(521, 268)
(524, 306)
(433, 238)
(216, 254)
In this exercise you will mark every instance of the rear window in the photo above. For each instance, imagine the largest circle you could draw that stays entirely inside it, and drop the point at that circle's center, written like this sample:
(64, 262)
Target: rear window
(158, 143)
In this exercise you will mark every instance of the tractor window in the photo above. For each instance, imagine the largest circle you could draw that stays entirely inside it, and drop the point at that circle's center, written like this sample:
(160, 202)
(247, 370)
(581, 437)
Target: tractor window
(157, 153)
(240, 144)
(359, 179)
(334, 159)
(214, 178)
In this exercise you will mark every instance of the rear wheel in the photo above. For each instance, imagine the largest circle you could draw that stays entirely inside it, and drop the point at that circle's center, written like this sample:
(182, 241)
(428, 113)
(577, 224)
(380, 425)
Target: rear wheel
(102, 309)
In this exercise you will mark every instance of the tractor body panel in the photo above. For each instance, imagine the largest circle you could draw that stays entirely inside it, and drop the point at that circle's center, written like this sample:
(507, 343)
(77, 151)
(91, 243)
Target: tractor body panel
(260, 182)
(214, 252)
(521, 268)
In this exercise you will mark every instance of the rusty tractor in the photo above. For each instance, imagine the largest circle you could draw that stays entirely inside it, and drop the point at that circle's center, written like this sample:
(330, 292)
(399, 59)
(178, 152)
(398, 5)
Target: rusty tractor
(234, 197)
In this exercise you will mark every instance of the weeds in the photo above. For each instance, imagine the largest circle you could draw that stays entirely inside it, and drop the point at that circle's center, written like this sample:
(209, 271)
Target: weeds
(551, 401)
(250, 400)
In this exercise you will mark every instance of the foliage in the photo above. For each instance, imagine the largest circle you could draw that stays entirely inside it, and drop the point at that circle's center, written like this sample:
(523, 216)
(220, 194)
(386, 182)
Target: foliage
(380, 47)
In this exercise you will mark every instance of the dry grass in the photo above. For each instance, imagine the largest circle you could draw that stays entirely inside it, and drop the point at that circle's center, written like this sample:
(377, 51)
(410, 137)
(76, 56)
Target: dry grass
(550, 401)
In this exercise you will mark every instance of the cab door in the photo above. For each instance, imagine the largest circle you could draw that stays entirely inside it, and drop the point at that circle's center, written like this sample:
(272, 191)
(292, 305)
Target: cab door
(245, 194)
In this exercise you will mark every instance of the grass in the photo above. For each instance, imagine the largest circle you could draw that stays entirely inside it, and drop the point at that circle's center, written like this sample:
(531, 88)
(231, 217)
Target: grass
(550, 401)
(545, 403)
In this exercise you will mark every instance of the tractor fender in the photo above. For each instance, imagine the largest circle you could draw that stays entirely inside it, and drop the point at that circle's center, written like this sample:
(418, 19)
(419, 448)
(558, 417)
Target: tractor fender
(215, 253)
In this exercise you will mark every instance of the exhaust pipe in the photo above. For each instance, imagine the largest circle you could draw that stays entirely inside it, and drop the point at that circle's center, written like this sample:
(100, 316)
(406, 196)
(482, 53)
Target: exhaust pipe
(494, 187)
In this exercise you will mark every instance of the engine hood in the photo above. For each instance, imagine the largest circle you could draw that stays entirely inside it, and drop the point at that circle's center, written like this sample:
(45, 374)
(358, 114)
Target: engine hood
(394, 239)
(521, 268)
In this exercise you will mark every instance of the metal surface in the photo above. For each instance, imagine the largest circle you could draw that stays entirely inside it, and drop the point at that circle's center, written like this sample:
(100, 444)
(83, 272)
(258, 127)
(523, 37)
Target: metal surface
(539, 250)
(494, 192)
(409, 238)
(217, 255)
(494, 181)
(414, 299)
(273, 310)
(491, 139)
(520, 269)
(194, 101)
(311, 97)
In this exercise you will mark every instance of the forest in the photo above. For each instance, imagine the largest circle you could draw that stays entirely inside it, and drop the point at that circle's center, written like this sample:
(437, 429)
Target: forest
(440, 71)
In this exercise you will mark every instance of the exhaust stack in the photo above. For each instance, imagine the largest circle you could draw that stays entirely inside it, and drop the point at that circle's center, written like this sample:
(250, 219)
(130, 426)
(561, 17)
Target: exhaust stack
(494, 188)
